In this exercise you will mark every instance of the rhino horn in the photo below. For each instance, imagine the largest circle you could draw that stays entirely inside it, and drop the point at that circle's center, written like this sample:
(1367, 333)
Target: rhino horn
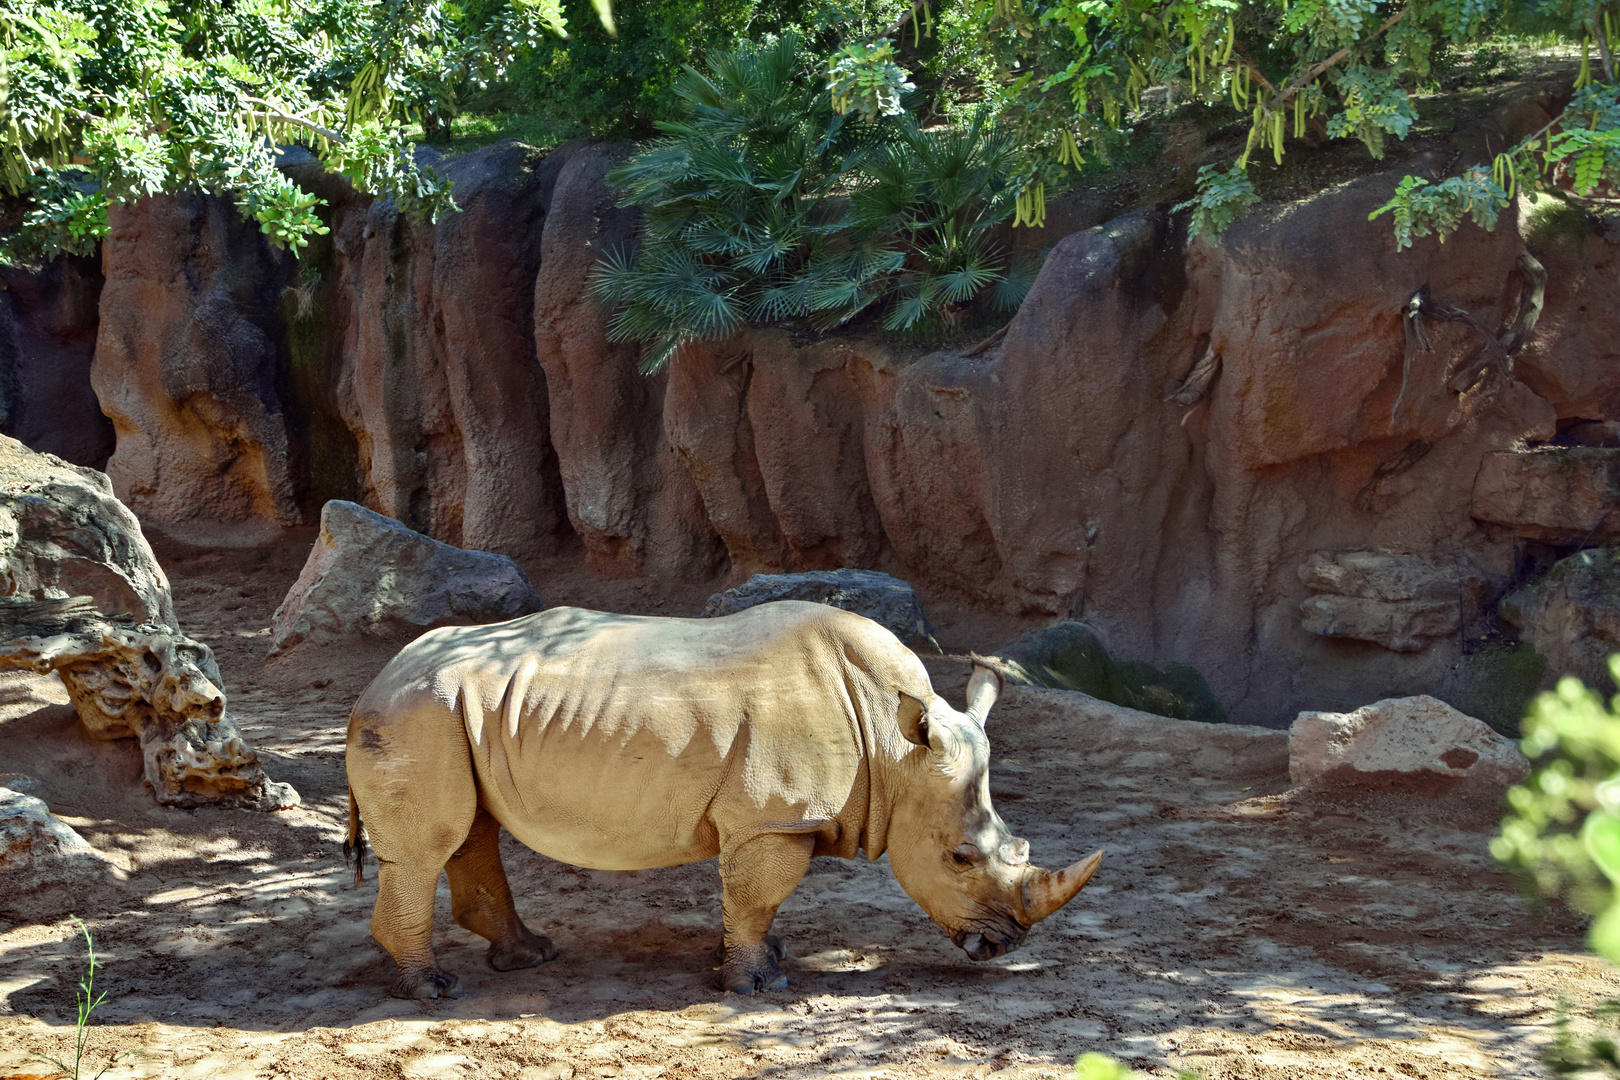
(1045, 892)
(982, 690)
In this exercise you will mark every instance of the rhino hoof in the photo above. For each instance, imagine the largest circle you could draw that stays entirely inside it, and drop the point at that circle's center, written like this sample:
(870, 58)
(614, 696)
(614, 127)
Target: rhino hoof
(531, 950)
(433, 984)
(754, 983)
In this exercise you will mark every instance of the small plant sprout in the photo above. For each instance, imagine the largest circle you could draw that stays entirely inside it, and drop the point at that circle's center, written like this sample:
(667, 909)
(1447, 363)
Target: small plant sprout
(88, 1001)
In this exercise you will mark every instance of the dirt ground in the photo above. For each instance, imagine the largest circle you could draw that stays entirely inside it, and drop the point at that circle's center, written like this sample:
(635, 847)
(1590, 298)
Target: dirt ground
(1236, 928)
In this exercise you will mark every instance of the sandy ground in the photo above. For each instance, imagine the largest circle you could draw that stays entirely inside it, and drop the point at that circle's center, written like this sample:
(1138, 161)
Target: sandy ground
(1236, 928)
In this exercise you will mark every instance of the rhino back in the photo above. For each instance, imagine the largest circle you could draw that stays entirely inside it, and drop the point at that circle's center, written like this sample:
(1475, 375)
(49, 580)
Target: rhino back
(627, 742)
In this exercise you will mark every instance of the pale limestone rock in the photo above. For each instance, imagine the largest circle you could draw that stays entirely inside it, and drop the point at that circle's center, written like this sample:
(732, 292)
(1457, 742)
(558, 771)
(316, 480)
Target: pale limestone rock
(150, 683)
(1402, 602)
(1413, 744)
(63, 533)
(1556, 494)
(370, 576)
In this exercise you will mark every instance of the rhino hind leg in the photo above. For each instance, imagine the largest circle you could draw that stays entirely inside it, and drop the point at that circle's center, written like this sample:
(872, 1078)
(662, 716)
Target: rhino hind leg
(481, 900)
(755, 878)
(403, 924)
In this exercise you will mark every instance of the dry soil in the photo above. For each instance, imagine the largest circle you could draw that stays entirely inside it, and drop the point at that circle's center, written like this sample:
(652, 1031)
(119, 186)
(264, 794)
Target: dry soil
(1237, 928)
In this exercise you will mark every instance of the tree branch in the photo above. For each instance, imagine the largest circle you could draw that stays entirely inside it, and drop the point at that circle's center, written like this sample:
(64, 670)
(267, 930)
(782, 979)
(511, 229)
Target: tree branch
(1310, 76)
(280, 117)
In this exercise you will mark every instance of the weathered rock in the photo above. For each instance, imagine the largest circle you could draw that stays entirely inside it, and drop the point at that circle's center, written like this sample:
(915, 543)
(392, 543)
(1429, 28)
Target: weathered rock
(1402, 602)
(1071, 656)
(370, 576)
(63, 533)
(1416, 745)
(1571, 615)
(148, 682)
(629, 496)
(48, 322)
(1556, 494)
(885, 600)
(189, 364)
(34, 843)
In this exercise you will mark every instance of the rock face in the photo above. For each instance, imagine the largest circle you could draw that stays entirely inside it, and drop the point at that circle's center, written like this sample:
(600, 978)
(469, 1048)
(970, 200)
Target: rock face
(1415, 744)
(190, 364)
(48, 322)
(633, 502)
(34, 843)
(62, 534)
(887, 601)
(1571, 616)
(370, 576)
(1220, 457)
(1556, 494)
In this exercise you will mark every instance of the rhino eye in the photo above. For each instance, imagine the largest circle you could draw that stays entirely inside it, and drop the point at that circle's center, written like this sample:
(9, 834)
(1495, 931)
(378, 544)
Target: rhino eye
(965, 855)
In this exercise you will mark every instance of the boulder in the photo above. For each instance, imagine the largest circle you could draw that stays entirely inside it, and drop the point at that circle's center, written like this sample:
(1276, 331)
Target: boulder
(63, 533)
(370, 576)
(885, 600)
(34, 843)
(1571, 615)
(1071, 656)
(1403, 602)
(1554, 494)
(1416, 745)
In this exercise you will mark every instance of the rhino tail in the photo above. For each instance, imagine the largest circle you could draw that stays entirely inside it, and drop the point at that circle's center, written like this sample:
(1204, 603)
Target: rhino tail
(354, 845)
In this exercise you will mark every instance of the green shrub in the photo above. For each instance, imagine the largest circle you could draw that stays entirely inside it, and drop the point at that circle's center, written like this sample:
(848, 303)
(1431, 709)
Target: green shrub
(763, 204)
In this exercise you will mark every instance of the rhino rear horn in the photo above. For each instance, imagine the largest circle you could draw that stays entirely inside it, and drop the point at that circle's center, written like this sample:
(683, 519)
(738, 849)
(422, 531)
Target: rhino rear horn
(1045, 892)
(982, 690)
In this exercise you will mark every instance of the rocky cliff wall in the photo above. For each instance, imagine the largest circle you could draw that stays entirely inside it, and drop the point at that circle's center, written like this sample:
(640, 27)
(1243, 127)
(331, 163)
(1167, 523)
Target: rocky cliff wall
(1199, 451)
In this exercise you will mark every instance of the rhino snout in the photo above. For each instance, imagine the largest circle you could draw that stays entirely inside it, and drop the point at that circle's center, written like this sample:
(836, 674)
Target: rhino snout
(987, 944)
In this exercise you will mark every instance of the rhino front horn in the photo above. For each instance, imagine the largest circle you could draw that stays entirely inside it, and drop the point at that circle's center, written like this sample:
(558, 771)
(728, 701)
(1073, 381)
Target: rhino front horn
(1045, 892)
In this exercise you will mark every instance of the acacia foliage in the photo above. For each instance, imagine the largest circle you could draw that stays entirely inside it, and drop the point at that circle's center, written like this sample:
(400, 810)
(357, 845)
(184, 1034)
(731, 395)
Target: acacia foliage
(107, 100)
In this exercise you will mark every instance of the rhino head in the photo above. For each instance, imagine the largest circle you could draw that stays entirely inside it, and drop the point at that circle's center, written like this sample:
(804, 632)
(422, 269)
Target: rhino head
(949, 848)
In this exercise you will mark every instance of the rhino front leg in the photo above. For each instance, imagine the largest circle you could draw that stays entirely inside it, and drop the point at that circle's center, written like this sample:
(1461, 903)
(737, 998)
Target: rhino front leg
(481, 900)
(755, 877)
(403, 924)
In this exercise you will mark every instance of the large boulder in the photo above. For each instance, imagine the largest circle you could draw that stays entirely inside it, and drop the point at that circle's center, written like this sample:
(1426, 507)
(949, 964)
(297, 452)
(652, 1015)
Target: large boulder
(81, 594)
(1417, 745)
(885, 600)
(1571, 615)
(63, 533)
(1555, 494)
(370, 576)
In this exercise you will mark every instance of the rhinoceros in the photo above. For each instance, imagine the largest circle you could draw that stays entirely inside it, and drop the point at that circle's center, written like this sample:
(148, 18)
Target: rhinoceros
(615, 742)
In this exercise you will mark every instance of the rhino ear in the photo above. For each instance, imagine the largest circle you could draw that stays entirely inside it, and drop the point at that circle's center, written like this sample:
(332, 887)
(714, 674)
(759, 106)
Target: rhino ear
(913, 718)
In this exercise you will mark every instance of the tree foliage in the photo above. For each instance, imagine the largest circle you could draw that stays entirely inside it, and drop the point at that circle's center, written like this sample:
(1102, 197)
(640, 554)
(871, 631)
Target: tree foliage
(109, 100)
